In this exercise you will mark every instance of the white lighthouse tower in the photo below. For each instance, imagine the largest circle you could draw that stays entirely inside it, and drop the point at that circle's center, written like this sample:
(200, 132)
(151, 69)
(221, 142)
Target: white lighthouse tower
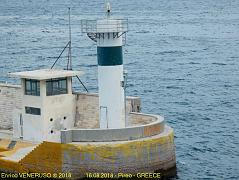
(109, 34)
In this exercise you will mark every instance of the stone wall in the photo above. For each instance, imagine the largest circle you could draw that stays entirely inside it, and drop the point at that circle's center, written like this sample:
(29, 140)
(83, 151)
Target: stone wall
(10, 99)
(87, 109)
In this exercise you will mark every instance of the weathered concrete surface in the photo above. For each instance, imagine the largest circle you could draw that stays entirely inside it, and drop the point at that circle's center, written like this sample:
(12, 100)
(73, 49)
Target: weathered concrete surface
(139, 130)
(43, 74)
(10, 99)
(11, 152)
(17, 155)
(142, 155)
(6, 134)
(135, 119)
(87, 109)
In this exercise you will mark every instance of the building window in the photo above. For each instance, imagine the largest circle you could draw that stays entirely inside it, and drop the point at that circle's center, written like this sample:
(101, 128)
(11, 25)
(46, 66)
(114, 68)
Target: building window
(33, 110)
(56, 86)
(32, 87)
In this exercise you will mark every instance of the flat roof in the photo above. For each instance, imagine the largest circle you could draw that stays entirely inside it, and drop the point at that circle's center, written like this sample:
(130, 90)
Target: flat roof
(43, 74)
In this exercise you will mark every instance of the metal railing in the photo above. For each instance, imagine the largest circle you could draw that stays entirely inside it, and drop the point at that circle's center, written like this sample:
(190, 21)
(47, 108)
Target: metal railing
(95, 26)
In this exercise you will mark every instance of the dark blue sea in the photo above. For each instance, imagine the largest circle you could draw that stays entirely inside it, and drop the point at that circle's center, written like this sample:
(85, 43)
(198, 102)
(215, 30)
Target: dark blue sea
(182, 58)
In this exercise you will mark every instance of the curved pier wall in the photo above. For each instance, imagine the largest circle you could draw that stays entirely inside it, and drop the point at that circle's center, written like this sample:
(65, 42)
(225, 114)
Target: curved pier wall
(142, 155)
(10, 101)
(154, 126)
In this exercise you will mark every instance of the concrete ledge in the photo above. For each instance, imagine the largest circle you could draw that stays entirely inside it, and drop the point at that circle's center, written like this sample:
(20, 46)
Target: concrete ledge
(9, 85)
(97, 95)
(66, 136)
(136, 119)
(125, 134)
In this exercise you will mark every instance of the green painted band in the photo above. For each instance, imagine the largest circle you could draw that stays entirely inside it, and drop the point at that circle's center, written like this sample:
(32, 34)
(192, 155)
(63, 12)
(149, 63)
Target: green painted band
(110, 56)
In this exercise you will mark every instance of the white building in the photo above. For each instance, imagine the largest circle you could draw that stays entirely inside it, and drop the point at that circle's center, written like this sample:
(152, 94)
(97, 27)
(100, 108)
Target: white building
(48, 104)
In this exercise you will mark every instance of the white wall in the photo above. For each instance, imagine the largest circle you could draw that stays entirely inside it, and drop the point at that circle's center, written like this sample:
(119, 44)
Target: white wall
(111, 96)
(32, 124)
(56, 108)
(57, 113)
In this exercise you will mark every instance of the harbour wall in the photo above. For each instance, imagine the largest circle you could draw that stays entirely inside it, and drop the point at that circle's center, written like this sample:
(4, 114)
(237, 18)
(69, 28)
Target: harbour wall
(10, 101)
(87, 110)
(152, 149)
(155, 153)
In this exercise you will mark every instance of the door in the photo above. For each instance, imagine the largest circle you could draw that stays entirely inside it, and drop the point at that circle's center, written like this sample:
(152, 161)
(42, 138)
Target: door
(103, 117)
(21, 126)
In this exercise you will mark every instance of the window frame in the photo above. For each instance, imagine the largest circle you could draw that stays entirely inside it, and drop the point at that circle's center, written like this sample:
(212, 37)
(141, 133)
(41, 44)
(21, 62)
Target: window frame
(56, 86)
(31, 90)
(32, 110)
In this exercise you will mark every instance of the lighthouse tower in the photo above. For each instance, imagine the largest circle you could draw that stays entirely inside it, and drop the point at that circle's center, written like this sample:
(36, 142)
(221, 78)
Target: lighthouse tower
(109, 34)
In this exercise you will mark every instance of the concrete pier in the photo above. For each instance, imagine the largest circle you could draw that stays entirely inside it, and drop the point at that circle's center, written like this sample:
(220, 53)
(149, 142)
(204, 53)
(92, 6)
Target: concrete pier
(145, 145)
(141, 155)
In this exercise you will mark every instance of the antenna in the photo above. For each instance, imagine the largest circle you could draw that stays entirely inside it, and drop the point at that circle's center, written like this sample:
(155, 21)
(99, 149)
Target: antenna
(69, 62)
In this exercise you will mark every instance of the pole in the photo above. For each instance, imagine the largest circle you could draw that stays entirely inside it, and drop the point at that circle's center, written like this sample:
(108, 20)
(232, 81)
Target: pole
(69, 63)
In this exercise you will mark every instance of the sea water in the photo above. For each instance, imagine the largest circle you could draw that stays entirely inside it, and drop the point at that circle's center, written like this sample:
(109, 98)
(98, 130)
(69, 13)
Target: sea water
(182, 59)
